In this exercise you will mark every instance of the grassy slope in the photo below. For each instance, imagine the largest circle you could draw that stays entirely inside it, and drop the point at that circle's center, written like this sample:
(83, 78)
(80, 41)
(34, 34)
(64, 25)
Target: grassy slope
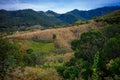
(35, 45)
(39, 46)
(63, 35)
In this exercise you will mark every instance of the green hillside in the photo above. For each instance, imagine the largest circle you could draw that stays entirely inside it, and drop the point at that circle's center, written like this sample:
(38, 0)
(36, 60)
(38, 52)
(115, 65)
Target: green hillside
(111, 18)
(21, 19)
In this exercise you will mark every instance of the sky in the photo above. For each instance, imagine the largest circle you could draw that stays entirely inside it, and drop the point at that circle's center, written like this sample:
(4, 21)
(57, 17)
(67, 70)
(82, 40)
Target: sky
(59, 6)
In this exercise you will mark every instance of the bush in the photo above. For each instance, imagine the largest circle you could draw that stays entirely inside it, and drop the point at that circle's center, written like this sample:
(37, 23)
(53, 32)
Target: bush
(112, 49)
(10, 57)
(87, 45)
(112, 31)
(71, 73)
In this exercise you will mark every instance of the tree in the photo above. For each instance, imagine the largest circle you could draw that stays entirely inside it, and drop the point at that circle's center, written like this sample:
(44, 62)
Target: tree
(54, 36)
(111, 31)
(84, 68)
(88, 44)
(10, 57)
(114, 66)
(111, 49)
(71, 73)
(32, 59)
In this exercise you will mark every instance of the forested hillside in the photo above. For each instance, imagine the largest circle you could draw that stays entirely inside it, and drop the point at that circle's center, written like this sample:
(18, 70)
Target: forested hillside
(20, 19)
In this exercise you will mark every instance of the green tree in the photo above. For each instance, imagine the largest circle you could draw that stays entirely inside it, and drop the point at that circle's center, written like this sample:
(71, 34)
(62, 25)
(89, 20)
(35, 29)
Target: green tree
(71, 73)
(114, 67)
(10, 57)
(54, 36)
(111, 49)
(32, 59)
(84, 68)
(111, 31)
(88, 44)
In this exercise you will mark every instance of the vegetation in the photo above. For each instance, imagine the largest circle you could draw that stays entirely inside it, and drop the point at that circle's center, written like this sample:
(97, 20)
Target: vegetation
(10, 58)
(96, 52)
(80, 22)
(38, 56)
(112, 18)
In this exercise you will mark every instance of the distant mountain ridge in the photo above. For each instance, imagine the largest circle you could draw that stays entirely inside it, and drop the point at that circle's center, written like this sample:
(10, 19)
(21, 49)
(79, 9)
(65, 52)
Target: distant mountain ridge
(87, 15)
(15, 20)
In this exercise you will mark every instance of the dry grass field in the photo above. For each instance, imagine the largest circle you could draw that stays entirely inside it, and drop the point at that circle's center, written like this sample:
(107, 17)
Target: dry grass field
(64, 36)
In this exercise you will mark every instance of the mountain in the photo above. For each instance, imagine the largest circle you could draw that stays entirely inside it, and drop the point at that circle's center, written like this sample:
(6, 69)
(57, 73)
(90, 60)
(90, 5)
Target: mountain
(20, 19)
(51, 13)
(27, 17)
(75, 15)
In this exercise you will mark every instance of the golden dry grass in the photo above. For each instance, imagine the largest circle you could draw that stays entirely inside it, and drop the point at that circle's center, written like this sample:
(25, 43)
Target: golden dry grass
(35, 73)
(42, 74)
(59, 58)
(64, 36)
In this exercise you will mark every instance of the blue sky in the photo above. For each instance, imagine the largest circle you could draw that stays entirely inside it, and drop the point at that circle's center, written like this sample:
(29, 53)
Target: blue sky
(60, 6)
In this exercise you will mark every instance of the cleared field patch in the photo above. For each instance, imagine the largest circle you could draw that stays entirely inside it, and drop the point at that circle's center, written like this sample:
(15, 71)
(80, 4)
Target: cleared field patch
(36, 46)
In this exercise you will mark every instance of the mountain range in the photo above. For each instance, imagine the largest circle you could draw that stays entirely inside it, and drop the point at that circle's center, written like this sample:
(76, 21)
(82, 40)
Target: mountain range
(15, 20)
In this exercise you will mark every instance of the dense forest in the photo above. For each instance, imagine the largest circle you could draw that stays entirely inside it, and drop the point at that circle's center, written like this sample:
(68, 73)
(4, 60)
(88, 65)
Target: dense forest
(95, 55)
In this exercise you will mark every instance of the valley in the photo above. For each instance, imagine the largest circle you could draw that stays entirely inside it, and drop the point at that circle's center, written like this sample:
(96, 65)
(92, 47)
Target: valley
(77, 49)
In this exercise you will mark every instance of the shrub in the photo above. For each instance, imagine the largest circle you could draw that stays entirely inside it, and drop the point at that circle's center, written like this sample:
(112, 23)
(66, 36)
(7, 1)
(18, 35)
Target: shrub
(71, 73)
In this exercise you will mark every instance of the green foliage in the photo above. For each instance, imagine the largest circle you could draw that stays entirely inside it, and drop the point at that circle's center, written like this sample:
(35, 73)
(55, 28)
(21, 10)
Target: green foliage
(112, 48)
(96, 49)
(29, 51)
(95, 67)
(114, 66)
(75, 44)
(33, 59)
(84, 68)
(80, 22)
(111, 18)
(112, 31)
(71, 73)
(54, 36)
(87, 45)
(60, 69)
(10, 57)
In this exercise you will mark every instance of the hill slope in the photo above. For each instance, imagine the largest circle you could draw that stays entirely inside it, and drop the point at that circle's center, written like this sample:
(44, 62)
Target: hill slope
(111, 18)
(64, 36)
